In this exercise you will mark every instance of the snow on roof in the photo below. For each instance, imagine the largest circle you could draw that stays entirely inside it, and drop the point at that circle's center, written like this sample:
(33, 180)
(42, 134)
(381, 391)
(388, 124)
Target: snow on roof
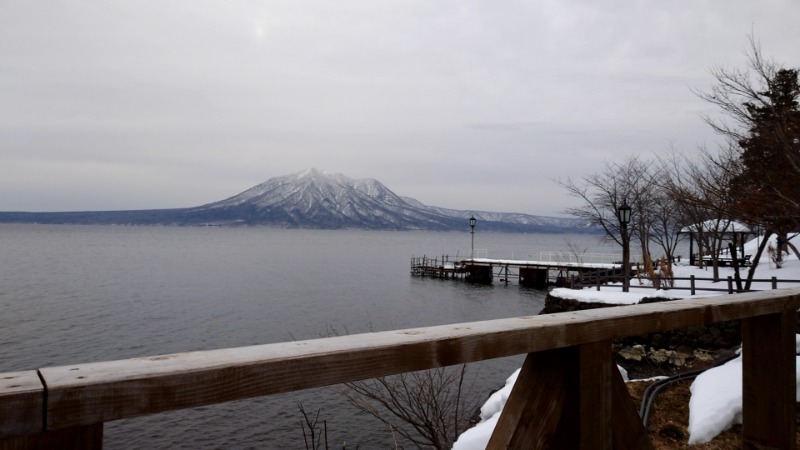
(719, 225)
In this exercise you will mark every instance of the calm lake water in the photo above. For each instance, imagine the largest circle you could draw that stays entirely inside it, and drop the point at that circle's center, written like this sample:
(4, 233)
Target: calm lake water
(76, 294)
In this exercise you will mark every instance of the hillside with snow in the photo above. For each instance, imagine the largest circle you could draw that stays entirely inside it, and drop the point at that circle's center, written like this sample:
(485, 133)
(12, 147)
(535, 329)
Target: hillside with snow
(319, 200)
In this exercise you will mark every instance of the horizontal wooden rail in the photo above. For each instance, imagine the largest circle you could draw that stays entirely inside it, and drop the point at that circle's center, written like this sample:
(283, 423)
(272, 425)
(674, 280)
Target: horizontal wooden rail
(78, 397)
(597, 280)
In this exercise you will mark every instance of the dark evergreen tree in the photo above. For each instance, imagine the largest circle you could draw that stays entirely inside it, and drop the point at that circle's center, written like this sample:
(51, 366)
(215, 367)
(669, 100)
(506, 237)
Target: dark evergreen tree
(761, 120)
(769, 183)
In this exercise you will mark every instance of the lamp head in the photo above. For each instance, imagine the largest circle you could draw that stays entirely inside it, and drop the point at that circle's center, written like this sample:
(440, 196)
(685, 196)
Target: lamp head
(624, 213)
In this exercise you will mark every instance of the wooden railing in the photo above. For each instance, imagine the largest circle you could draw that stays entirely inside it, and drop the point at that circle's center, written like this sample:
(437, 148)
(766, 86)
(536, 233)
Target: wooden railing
(569, 393)
(601, 278)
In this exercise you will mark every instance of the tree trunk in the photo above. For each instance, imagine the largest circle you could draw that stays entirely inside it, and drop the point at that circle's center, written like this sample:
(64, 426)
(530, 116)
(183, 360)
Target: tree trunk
(793, 248)
(735, 264)
(756, 259)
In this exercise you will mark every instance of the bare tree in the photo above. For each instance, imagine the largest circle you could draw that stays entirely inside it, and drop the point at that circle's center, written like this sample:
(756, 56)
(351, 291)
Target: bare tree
(665, 222)
(664, 216)
(761, 121)
(603, 193)
(575, 252)
(702, 186)
(429, 408)
(744, 95)
(312, 433)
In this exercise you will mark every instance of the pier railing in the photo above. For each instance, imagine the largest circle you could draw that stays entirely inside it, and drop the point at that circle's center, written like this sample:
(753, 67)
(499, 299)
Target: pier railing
(569, 393)
(579, 258)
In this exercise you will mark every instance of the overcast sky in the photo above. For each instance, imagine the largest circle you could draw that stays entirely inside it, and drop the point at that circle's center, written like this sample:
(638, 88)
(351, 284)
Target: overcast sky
(474, 105)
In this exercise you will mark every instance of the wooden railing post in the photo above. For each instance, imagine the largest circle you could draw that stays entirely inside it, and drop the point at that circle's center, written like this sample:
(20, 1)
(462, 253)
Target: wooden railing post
(532, 415)
(594, 400)
(768, 381)
(570, 398)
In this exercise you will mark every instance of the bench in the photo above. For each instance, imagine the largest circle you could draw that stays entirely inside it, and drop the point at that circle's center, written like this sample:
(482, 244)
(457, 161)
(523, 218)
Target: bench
(726, 260)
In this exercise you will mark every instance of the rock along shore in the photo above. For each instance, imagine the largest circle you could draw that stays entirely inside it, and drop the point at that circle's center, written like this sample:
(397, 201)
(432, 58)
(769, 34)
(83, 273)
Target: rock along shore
(663, 353)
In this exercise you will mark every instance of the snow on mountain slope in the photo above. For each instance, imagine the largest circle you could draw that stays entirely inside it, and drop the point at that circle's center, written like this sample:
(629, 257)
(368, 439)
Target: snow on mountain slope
(318, 199)
(315, 199)
(515, 218)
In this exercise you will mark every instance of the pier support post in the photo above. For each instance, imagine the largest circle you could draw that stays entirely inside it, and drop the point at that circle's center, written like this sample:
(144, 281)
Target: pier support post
(535, 278)
(480, 274)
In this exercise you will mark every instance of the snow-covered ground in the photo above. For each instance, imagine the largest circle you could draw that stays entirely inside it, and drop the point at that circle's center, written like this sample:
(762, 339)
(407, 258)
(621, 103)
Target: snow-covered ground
(716, 401)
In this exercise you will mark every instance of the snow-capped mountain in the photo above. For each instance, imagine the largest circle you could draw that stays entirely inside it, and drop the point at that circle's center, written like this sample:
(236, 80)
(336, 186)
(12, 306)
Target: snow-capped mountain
(316, 199)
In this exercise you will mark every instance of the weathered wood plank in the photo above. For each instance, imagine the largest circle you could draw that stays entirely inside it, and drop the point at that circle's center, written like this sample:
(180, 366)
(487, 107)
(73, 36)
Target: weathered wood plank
(561, 399)
(768, 381)
(595, 407)
(89, 437)
(626, 426)
(535, 408)
(21, 403)
(97, 392)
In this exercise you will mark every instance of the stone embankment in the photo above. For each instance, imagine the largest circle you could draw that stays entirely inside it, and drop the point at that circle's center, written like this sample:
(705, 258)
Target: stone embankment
(663, 353)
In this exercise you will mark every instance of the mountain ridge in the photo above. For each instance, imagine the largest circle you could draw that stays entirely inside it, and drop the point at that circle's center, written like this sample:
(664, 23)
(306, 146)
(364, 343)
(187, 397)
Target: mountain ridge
(314, 199)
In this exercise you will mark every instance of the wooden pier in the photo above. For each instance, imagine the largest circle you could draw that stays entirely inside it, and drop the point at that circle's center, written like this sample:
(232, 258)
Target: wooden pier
(438, 267)
(537, 274)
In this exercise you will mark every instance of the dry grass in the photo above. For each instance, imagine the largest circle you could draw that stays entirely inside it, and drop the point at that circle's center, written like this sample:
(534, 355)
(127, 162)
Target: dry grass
(669, 420)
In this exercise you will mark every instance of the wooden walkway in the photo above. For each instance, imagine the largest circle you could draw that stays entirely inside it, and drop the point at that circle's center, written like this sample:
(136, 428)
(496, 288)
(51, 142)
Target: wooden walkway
(530, 273)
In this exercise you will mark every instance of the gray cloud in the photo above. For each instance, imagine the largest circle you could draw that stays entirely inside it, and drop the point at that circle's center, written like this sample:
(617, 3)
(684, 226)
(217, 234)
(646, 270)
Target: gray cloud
(470, 105)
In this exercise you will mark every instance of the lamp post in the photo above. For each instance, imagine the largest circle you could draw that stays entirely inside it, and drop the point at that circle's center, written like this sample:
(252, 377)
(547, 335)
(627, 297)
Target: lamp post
(472, 223)
(624, 216)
